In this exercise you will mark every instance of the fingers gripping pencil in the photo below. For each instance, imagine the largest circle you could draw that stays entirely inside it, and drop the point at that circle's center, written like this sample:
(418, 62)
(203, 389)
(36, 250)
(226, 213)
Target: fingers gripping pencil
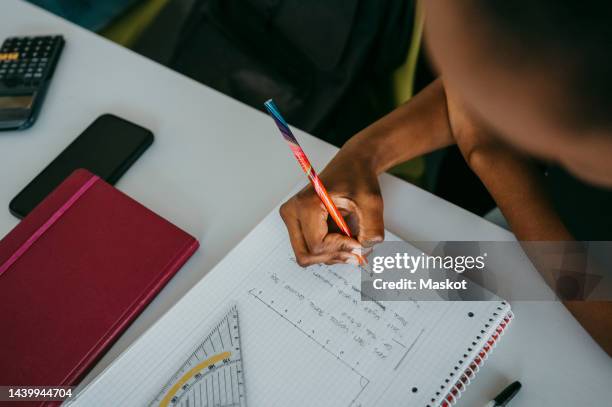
(302, 159)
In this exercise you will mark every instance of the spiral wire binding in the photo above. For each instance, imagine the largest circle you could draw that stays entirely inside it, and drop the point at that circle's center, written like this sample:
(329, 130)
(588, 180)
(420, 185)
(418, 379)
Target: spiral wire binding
(455, 391)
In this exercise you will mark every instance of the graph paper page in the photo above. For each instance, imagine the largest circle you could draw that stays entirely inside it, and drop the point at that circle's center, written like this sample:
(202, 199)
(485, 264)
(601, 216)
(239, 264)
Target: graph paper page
(307, 338)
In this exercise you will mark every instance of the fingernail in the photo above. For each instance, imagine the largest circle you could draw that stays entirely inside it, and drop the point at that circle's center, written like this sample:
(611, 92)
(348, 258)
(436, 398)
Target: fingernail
(363, 251)
(356, 245)
(352, 260)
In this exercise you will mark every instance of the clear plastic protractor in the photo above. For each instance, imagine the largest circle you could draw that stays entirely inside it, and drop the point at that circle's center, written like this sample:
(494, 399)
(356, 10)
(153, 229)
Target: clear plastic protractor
(212, 375)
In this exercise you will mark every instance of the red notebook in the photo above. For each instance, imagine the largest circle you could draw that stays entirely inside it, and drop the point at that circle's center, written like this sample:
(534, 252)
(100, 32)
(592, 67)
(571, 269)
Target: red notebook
(74, 274)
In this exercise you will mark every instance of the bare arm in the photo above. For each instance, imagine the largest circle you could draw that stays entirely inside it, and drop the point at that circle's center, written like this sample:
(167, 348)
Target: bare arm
(413, 129)
(426, 123)
(416, 128)
(517, 188)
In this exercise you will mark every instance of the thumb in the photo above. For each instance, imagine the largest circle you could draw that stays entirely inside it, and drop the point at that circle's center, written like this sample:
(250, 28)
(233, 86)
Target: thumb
(371, 224)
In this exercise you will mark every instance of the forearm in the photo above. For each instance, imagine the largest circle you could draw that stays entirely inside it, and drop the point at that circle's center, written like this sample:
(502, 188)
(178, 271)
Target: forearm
(517, 188)
(413, 129)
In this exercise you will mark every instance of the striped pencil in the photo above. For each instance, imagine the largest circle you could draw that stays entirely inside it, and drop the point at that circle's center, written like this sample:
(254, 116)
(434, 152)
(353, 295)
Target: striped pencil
(302, 159)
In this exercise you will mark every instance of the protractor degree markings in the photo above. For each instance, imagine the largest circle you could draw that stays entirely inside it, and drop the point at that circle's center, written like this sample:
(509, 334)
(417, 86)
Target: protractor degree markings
(215, 381)
(188, 375)
(208, 377)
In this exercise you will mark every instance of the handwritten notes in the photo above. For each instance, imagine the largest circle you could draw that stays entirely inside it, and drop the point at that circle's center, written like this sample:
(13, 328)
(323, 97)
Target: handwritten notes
(324, 304)
(307, 337)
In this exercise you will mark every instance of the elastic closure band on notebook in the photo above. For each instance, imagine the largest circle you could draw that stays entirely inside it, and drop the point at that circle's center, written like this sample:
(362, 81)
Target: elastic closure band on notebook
(45, 226)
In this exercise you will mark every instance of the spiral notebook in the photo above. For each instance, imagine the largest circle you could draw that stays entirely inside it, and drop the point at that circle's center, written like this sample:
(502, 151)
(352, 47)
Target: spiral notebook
(307, 339)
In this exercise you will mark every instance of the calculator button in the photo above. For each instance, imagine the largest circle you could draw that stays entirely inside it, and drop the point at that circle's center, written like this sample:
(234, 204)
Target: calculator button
(25, 61)
(12, 81)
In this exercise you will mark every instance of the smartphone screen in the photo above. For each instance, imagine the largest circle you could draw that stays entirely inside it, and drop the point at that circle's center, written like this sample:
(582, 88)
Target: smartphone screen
(107, 148)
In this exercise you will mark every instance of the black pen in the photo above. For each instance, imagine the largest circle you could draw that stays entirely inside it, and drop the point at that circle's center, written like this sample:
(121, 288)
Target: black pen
(505, 396)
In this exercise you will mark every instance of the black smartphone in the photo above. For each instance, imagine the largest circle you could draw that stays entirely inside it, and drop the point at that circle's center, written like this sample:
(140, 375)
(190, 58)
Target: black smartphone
(107, 148)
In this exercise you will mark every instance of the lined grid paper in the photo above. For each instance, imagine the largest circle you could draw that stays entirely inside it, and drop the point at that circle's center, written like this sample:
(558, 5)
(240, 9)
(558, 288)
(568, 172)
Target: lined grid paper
(306, 336)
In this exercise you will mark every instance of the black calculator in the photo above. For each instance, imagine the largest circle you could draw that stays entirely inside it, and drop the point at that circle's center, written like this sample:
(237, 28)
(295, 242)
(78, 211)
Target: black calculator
(26, 67)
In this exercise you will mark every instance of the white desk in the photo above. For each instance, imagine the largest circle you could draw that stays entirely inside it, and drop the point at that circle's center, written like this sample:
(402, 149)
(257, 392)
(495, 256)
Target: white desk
(208, 145)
